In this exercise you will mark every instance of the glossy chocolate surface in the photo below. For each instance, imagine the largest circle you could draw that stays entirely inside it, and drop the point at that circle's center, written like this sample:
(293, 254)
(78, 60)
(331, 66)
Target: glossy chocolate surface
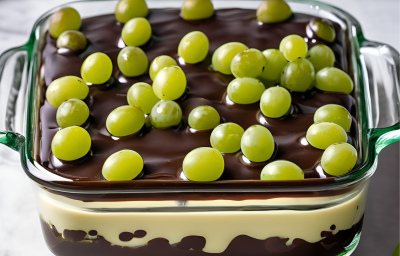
(164, 150)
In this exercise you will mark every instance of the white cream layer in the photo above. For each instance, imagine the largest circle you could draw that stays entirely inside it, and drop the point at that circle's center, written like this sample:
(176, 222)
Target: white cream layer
(219, 228)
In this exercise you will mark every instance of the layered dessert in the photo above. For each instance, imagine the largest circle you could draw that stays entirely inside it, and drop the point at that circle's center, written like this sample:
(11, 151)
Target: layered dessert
(198, 99)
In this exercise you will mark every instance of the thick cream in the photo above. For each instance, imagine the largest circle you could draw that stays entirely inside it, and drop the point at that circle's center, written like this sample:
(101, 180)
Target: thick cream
(219, 228)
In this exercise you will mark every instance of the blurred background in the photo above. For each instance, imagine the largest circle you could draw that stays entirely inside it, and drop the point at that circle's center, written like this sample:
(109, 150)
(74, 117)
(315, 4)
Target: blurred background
(19, 220)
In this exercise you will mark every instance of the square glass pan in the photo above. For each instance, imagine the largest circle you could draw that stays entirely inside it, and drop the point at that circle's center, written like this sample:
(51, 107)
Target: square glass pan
(373, 67)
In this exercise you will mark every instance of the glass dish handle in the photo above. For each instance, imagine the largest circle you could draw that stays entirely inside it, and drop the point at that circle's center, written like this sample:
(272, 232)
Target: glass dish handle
(13, 79)
(381, 68)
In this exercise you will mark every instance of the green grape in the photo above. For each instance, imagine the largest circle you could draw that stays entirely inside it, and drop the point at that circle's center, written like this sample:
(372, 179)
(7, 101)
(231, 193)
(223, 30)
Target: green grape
(272, 11)
(123, 165)
(203, 164)
(65, 88)
(333, 80)
(396, 251)
(334, 114)
(293, 47)
(159, 63)
(323, 29)
(204, 118)
(245, 90)
(257, 143)
(71, 143)
(65, 19)
(273, 70)
(125, 120)
(339, 159)
(226, 137)
(132, 61)
(248, 63)
(136, 32)
(282, 170)
(275, 102)
(129, 9)
(298, 75)
(97, 68)
(73, 40)
(222, 57)
(141, 95)
(321, 56)
(197, 9)
(322, 135)
(148, 121)
(193, 47)
(165, 113)
(169, 83)
(72, 112)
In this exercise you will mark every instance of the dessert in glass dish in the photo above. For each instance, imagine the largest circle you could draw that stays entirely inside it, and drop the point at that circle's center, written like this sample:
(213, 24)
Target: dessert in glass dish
(202, 127)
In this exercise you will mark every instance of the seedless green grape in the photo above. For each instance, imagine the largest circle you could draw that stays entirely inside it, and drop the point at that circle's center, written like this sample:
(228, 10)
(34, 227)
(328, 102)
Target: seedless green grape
(333, 80)
(274, 67)
(335, 114)
(65, 19)
(136, 32)
(159, 63)
(169, 83)
(197, 9)
(275, 102)
(203, 164)
(282, 170)
(193, 47)
(226, 137)
(129, 9)
(339, 159)
(248, 63)
(132, 61)
(71, 143)
(322, 135)
(321, 56)
(141, 95)
(272, 11)
(257, 143)
(323, 29)
(72, 112)
(165, 113)
(73, 40)
(245, 90)
(222, 57)
(122, 165)
(97, 68)
(293, 47)
(204, 118)
(125, 120)
(65, 88)
(298, 75)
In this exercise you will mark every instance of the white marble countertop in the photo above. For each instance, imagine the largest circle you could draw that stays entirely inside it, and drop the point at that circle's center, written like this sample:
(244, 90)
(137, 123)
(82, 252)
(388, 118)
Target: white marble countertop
(19, 219)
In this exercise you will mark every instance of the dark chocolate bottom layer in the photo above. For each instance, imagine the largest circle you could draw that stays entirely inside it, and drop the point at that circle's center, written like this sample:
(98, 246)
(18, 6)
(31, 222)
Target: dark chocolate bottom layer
(77, 243)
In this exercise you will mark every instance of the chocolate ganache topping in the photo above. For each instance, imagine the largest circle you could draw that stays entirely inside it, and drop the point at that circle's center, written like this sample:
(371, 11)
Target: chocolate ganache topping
(163, 150)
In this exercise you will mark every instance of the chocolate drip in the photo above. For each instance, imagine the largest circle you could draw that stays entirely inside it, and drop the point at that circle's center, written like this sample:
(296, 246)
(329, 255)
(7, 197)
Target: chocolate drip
(128, 236)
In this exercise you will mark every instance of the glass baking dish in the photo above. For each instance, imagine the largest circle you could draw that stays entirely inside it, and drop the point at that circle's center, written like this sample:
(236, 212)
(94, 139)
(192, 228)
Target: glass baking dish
(184, 218)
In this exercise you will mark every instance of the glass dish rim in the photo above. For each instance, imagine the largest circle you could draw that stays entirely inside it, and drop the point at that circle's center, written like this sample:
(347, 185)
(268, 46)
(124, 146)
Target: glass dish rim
(372, 136)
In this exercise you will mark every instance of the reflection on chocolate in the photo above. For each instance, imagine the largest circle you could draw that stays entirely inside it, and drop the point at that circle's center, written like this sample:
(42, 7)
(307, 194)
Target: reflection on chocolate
(330, 245)
(163, 150)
